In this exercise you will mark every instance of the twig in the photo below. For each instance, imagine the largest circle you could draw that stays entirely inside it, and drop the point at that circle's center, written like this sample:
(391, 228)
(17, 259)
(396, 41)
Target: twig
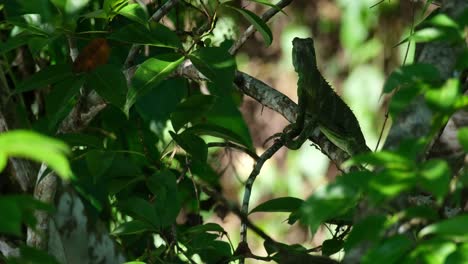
(236, 210)
(251, 29)
(162, 11)
(249, 184)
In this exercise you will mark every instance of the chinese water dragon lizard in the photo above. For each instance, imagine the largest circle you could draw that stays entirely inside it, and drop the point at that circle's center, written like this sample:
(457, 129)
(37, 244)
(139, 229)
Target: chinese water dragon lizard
(320, 106)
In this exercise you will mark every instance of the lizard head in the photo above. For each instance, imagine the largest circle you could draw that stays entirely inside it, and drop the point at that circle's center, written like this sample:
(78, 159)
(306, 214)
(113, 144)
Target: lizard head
(302, 54)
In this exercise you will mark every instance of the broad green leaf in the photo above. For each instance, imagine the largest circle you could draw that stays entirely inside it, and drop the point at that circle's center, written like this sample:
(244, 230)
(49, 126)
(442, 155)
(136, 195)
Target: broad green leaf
(47, 76)
(208, 227)
(110, 6)
(132, 227)
(32, 255)
(327, 202)
(453, 227)
(158, 35)
(218, 131)
(18, 210)
(443, 20)
(283, 204)
(390, 182)
(100, 13)
(331, 246)
(432, 251)
(369, 229)
(429, 34)
(191, 109)
(409, 75)
(463, 137)
(141, 209)
(70, 7)
(158, 104)
(136, 13)
(22, 7)
(135, 262)
(386, 159)
(391, 250)
(436, 176)
(267, 3)
(31, 145)
(18, 41)
(10, 218)
(402, 99)
(193, 144)
(62, 98)
(109, 82)
(217, 65)
(459, 256)
(163, 184)
(148, 76)
(257, 22)
(444, 98)
(99, 161)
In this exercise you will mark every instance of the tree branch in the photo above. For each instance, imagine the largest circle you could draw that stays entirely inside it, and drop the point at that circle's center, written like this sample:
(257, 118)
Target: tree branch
(160, 13)
(251, 29)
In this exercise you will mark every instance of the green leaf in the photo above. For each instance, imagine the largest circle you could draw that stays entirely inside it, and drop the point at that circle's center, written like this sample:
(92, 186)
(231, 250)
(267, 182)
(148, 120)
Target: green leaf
(62, 98)
(10, 218)
(217, 65)
(453, 227)
(32, 255)
(21, 7)
(267, 3)
(110, 6)
(390, 250)
(158, 36)
(283, 204)
(158, 104)
(367, 230)
(131, 228)
(208, 227)
(220, 132)
(99, 161)
(463, 137)
(191, 109)
(18, 41)
(389, 183)
(148, 76)
(444, 98)
(70, 7)
(100, 14)
(411, 74)
(17, 210)
(433, 251)
(436, 176)
(326, 202)
(163, 184)
(31, 145)
(193, 144)
(257, 22)
(109, 82)
(136, 13)
(386, 159)
(141, 209)
(47, 76)
(459, 256)
(331, 246)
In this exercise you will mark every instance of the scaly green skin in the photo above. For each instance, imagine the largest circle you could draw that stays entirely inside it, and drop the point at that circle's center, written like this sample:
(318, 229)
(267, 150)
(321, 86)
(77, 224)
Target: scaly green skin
(320, 105)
